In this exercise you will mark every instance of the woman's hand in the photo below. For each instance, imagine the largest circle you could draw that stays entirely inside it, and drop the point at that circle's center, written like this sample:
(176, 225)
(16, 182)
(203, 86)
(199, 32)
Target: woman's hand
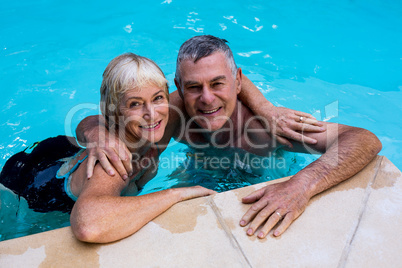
(282, 123)
(285, 123)
(193, 192)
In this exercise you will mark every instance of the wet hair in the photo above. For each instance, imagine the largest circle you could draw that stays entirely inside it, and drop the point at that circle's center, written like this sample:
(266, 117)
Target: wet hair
(202, 46)
(127, 71)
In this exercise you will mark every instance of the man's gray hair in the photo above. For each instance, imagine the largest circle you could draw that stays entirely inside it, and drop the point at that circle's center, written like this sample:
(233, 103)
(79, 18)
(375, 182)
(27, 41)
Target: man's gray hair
(202, 46)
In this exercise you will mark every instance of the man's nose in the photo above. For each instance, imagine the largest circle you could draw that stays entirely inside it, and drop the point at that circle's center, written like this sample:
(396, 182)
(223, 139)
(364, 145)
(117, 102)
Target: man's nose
(207, 96)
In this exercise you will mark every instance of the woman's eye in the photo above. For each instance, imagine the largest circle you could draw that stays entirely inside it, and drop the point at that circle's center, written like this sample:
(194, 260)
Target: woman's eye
(159, 97)
(134, 104)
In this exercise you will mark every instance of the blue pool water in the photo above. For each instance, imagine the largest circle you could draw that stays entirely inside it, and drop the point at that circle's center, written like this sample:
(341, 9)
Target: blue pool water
(340, 60)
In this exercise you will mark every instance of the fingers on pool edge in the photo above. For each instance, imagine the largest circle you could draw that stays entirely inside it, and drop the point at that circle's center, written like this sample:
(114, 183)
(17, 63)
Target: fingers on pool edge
(284, 225)
(254, 196)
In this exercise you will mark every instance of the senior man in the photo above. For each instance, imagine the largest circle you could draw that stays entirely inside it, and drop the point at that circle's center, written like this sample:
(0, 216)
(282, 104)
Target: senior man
(208, 84)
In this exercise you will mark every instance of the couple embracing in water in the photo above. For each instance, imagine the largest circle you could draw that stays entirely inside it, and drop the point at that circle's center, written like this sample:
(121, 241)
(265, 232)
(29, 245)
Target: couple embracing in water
(215, 105)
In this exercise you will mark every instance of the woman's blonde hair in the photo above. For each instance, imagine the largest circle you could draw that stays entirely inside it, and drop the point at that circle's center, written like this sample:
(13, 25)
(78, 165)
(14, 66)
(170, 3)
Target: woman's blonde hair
(127, 71)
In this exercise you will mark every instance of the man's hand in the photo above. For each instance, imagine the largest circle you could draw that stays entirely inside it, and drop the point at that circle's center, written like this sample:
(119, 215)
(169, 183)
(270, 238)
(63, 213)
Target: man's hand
(108, 150)
(284, 201)
(286, 124)
(103, 147)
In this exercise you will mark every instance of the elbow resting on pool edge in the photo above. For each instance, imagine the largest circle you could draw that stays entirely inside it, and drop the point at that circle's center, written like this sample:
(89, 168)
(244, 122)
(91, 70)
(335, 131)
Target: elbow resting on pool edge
(93, 233)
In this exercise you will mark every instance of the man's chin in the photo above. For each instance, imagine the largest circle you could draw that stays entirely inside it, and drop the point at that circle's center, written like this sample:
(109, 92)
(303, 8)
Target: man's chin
(211, 126)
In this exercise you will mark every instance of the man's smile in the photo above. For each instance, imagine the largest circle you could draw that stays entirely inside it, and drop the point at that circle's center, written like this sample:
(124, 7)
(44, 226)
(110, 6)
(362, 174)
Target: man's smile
(210, 111)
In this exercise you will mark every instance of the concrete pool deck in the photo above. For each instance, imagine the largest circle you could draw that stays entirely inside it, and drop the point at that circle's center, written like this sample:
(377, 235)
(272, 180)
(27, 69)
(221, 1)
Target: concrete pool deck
(355, 224)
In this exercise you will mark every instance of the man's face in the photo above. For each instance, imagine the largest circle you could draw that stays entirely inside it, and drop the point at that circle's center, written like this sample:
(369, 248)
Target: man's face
(209, 90)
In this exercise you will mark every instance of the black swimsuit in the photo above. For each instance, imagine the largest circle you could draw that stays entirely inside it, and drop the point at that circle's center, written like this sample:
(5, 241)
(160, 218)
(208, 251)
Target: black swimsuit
(33, 175)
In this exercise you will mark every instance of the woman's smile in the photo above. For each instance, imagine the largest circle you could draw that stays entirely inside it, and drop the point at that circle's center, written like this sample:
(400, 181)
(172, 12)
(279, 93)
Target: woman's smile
(151, 127)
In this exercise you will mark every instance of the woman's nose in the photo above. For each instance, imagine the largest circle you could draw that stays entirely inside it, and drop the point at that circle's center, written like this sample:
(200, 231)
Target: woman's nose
(149, 111)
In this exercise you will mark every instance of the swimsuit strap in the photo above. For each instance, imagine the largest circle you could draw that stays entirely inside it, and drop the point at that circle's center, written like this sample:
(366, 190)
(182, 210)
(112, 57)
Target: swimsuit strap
(74, 168)
(67, 181)
(67, 177)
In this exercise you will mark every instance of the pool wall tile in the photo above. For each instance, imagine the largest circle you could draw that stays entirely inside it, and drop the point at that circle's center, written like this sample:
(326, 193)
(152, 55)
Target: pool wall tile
(355, 224)
(316, 238)
(378, 240)
(56, 248)
(188, 235)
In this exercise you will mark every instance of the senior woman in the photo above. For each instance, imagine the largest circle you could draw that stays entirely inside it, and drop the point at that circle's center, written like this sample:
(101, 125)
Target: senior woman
(134, 101)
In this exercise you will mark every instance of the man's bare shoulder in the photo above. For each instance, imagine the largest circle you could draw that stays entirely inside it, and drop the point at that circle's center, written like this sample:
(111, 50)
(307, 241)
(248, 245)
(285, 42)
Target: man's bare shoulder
(255, 138)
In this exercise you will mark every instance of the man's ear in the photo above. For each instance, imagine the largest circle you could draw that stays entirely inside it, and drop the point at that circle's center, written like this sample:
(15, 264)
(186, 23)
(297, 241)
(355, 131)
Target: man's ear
(239, 77)
(178, 88)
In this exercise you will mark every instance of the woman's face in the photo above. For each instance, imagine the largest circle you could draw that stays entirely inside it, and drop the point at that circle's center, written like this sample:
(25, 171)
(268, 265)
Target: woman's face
(145, 112)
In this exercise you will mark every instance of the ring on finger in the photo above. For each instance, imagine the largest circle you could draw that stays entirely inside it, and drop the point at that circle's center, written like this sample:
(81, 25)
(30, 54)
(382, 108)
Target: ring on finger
(279, 214)
(301, 119)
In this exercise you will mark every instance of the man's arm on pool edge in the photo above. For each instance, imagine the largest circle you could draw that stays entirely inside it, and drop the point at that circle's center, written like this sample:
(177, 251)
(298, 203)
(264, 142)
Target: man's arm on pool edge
(346, 150)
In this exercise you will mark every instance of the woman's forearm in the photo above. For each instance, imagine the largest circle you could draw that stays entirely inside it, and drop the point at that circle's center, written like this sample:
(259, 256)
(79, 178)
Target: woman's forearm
(282, 123)
(252, 97)
(102, 219)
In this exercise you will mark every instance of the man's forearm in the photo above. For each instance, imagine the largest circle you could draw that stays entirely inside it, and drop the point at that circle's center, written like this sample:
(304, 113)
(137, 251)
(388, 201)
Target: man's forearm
(346, 156)
(87, 125)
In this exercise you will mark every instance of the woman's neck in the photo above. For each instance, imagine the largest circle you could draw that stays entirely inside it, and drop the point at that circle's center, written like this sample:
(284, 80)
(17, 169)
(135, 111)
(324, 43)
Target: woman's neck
(136, 145)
